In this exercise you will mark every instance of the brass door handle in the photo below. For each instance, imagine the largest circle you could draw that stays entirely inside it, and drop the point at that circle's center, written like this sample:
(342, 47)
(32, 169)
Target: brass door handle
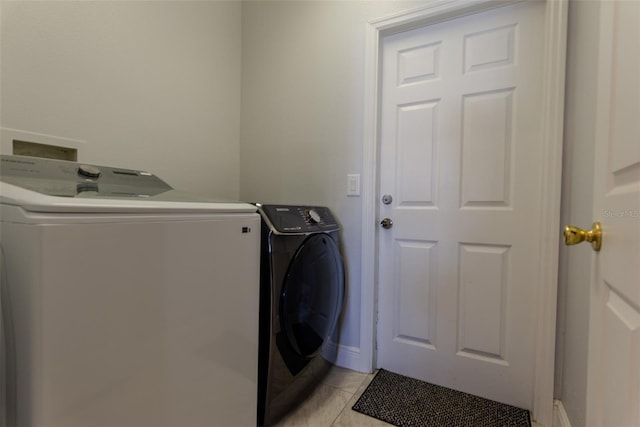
(575, 235)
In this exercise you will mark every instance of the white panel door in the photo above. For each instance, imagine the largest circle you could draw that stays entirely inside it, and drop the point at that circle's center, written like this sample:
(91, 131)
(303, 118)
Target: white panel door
(461, 157)
(613, 386)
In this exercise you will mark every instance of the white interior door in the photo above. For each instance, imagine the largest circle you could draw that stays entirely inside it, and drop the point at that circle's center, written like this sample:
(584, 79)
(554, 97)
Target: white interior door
(462, 159)
(613, 387)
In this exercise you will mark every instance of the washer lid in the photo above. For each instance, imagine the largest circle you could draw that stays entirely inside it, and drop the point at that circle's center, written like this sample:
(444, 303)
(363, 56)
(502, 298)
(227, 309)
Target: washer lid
(45, 185)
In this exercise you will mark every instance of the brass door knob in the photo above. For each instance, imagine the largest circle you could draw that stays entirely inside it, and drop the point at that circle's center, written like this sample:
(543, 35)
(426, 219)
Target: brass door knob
(575, 235)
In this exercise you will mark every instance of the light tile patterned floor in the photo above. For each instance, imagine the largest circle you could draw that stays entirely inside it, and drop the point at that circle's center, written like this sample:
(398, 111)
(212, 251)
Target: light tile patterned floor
(330, 403)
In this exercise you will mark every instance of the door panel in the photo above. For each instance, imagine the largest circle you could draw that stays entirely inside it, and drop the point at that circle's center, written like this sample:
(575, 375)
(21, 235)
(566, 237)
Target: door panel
(613, 387)
(415, 263)
(486, 149)
(416, 148)
(461, 155)
(482, 302)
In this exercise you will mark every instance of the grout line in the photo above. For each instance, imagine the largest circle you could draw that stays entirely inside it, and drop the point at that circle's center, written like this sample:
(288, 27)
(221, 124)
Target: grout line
(340, 413)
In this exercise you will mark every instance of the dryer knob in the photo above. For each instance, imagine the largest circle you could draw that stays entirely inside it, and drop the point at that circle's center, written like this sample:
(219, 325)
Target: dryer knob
(313, 216)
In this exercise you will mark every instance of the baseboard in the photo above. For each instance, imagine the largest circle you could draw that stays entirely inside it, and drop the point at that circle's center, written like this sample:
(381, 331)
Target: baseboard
(342, 355)
(560, 418)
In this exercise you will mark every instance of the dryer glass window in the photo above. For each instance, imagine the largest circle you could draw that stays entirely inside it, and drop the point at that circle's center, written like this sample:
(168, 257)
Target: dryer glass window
(312, 295)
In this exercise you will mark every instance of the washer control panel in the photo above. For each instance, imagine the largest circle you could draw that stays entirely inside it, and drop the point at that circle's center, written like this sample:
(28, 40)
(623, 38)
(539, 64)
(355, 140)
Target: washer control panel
(298, 219)
(71, 179)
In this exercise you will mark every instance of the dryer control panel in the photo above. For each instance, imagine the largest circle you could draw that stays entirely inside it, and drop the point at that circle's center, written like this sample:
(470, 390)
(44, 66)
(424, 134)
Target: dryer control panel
(286, 219)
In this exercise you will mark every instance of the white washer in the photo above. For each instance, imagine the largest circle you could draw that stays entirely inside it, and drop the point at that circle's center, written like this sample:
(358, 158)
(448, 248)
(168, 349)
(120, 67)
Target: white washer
(126, 303)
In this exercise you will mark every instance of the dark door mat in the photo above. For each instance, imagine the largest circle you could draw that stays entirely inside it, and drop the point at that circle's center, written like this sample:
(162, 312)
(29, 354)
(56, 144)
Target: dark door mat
(404, 401)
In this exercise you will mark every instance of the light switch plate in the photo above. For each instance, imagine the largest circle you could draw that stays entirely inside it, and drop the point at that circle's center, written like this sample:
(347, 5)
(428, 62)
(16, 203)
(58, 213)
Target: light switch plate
(353, 185)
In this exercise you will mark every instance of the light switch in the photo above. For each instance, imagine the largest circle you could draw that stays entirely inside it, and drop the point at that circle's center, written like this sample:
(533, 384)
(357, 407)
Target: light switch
(353, 185)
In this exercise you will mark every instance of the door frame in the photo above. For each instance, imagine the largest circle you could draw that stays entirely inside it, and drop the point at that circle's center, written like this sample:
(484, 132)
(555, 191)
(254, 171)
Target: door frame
(555, 33)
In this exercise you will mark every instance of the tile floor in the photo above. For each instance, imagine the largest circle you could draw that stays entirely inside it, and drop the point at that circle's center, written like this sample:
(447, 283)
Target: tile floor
(330, 403)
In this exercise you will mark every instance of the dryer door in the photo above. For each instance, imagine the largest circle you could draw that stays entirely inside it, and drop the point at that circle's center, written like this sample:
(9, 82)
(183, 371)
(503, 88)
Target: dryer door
(312, 295)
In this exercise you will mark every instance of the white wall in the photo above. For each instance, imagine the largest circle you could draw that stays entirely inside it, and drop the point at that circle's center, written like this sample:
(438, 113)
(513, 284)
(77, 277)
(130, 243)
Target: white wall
(575, 262)
(302, 113)
(148, 85)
